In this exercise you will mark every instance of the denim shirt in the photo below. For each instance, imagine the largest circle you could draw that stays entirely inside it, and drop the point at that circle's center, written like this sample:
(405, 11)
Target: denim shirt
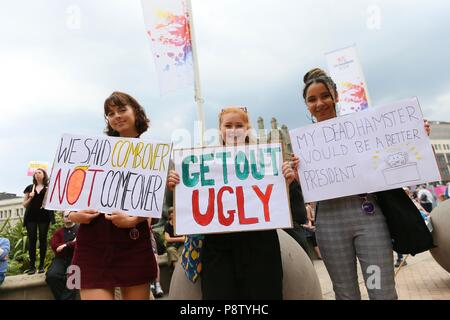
(4, 244)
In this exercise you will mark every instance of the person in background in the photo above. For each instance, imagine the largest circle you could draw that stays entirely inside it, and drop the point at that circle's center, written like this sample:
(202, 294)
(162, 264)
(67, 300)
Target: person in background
(63, 244)
(4, 251)
(310, 229)
(425, 198)
(155, 286)
(37, 218)
(441, 198)
(173, 242)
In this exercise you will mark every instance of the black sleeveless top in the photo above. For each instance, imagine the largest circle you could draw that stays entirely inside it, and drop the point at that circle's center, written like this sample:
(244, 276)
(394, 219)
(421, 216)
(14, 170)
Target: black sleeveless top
(35, 211)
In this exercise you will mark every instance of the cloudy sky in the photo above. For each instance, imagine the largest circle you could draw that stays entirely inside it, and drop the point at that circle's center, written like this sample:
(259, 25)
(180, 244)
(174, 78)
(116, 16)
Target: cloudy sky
(59, 60)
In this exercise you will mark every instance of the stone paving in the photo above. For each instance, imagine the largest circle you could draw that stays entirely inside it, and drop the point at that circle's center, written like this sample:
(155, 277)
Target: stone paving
(421, 279)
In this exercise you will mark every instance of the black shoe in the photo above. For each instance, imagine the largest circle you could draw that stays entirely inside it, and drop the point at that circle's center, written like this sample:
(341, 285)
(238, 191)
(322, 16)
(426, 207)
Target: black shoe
(398, 263)
(31, 271)
(41, 270)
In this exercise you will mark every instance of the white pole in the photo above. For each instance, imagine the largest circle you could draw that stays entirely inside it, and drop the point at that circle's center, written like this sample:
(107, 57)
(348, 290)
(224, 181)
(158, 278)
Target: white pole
(198, 94)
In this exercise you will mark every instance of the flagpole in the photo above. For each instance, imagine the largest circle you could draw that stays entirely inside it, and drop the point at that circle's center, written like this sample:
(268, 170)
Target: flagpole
(198, 94)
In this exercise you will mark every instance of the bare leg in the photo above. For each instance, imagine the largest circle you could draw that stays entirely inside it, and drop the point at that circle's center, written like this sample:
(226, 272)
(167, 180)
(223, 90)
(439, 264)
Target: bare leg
(316, 249)
(139, 292)
(157, 267)
(97, 294)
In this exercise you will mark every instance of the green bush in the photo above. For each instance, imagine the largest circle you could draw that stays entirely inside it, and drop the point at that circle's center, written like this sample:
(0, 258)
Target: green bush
(19, 260)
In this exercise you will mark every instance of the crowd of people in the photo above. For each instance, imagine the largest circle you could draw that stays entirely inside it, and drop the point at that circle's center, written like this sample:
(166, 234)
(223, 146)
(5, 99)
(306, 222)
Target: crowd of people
(121, 251)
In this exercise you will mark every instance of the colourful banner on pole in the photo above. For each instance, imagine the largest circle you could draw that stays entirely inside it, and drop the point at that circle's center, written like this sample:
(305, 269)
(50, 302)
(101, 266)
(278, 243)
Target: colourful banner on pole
(34, 165)
(345, 69)
(167, 24)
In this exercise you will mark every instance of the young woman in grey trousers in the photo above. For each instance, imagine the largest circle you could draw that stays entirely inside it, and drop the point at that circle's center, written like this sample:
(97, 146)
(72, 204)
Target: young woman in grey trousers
(353, 226)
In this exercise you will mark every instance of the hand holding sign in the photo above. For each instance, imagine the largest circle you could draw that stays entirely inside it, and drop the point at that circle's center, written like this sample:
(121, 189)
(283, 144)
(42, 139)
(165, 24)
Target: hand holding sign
(288, 172)
(173, 179)
(122, 220)
(83, 216)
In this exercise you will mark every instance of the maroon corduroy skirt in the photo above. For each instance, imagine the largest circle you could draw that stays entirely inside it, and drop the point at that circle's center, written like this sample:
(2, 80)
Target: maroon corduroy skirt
(108, 257)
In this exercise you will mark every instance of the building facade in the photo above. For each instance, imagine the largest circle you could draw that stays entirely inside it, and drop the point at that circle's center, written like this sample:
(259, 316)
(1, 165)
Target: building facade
(275, 135)
(11, 208)
(440, 139)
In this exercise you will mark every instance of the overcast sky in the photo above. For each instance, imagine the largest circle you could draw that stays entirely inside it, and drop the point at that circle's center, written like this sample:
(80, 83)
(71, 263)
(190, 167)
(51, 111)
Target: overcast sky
(59, 60)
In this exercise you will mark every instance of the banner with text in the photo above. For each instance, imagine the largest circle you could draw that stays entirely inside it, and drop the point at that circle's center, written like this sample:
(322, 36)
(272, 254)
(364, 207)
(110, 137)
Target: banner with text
(228, 189)
(378, 149)
(346, 71)
(109, 174)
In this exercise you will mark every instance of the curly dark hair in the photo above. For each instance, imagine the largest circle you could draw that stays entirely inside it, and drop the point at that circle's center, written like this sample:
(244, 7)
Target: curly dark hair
(317, 75)
(121, 99)
(44, 181)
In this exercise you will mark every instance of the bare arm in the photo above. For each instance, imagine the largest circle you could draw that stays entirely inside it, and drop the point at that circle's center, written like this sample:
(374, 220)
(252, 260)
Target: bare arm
(27, 199)
(170, 239)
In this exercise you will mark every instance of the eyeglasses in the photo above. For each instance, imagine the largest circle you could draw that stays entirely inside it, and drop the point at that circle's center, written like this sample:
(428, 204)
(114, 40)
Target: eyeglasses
(241, 108)
(367, 206)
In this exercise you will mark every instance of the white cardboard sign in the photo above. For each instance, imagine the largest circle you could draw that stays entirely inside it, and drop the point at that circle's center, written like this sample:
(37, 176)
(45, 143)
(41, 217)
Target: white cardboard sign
(109, 174)
(228, 189)
(381, 148)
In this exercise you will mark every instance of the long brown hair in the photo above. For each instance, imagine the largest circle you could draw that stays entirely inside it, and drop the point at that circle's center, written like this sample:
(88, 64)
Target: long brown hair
(121, 99)
(44, 181)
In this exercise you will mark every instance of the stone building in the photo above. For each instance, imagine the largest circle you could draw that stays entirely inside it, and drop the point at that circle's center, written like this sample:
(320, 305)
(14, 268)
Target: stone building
(10, 207)
(440, 139)
(274, 135)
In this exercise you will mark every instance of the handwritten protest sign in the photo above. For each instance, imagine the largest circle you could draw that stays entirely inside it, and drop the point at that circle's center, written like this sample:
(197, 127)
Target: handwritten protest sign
(377, 149)
(227, 189)
(109, 174)
(34, 165)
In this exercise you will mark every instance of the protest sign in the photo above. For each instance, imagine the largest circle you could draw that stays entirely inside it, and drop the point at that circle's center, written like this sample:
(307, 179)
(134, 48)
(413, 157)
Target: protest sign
(109, 174)
(228, 189)
(381, 148)
(33, 165)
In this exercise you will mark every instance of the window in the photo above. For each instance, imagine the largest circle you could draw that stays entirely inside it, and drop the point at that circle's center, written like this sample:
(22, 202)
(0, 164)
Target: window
(441, 159)
(446, 172)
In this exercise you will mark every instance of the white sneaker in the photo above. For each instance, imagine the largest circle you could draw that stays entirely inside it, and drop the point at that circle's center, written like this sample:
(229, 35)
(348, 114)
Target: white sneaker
(158, 291)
